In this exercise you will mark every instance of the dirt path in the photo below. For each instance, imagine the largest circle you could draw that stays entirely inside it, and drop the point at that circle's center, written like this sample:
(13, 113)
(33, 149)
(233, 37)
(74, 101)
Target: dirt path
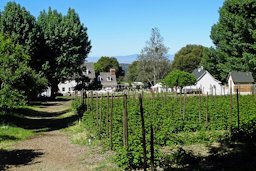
(52, 150)
(55, 153)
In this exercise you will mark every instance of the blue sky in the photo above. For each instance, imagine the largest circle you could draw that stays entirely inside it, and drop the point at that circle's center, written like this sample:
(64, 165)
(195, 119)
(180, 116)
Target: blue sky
(121, 27)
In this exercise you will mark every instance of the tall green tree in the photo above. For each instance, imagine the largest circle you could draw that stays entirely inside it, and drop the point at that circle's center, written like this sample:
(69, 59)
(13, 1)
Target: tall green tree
(188, 58)
(234, 37)
(133, 71)
(20, 25)
(153, 59)
(212, 61)
(17, 80)
(66, 45)
(104, 64)
(178, 78)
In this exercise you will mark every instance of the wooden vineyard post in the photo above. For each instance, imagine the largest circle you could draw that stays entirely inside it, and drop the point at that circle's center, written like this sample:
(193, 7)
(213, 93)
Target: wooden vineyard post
(107, 115)
(87, 99)
(125, 121)
(180, 104)
(91, 105)
(143, 133)
(97, 110)
(162, 98)
(152, 148)
(152, 98)
(128, 94)
(200, 107)
(184, 107)
(238, 115)
(206, 116)
(83, 98)
(231, 107)
(101, 103)
(111, 122)
(92, 100)
(165, 98)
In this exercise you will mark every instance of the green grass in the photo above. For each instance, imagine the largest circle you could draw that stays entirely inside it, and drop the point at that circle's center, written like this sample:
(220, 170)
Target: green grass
(78, 134)
(10, 135)
(198, 137)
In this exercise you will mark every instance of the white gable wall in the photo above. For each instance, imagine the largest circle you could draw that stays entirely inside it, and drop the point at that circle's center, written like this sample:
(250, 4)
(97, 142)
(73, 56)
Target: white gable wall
(67, 87)
(230, 84)
(208, 83)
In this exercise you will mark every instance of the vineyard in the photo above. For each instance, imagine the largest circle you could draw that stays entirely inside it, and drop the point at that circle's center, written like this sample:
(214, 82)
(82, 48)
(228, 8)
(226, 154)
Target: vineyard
(127, 123)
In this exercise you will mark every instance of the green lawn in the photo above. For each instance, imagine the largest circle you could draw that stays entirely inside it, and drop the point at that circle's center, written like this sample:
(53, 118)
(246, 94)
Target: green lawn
(11, 134)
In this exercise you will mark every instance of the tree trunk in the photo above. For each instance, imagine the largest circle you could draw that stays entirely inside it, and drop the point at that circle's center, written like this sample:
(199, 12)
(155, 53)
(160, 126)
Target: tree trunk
(54, 90)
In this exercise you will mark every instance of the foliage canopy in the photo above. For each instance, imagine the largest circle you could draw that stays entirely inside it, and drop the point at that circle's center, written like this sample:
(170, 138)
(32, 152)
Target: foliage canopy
(179, 78)
(66, 45)
(153, 59)
(105, 63)
(18, 81)
(234, 36)
(188, 58)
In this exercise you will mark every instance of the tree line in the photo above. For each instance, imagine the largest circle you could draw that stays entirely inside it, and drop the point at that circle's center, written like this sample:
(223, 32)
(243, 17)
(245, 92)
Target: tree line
(38, 52)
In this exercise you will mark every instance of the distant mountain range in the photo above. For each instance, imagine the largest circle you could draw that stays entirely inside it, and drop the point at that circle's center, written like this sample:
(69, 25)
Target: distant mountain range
(121, 59)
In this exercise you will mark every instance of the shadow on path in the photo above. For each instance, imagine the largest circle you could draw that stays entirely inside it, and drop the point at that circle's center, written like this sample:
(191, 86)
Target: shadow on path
(38, 114)
(17, 157)
(40, 120)
(39, 125)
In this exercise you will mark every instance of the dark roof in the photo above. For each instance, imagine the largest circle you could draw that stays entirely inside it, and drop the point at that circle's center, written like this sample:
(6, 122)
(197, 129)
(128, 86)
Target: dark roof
(198, 73)
(241, 77)
(91, 72)
(105, 82)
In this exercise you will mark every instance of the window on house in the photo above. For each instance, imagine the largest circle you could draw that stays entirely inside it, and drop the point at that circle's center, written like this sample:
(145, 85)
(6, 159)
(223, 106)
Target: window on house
(63, 88)
(99, 78)
(87, 71)
(109, 78)
(69, 89)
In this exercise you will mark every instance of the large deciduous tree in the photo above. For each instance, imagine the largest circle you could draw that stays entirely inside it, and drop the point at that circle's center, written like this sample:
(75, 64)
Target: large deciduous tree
(20, 25)
(17, 80)
(66, 45)
(153, 59)
(234, 36)
(188, 58)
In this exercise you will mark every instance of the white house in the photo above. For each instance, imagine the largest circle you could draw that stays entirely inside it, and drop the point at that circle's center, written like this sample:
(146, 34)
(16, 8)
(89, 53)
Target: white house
(206, 83)
(67, 88)
(243, 81)
(138, 85)
(108, 79)
(158, 87)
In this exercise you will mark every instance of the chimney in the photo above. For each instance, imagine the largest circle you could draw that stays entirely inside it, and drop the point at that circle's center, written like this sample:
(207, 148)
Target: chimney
(112, 71)
(200, 68)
